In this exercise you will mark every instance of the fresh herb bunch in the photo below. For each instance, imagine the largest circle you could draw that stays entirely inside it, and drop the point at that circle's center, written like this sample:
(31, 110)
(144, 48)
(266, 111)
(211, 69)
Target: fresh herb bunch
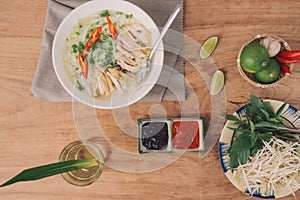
(260, 123)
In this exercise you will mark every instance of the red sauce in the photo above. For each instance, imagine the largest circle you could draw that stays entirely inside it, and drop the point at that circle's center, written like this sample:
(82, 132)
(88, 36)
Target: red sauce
(185, 134)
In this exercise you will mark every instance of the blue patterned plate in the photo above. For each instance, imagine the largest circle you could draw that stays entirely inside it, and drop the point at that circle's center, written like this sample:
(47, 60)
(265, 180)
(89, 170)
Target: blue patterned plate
(291, 119)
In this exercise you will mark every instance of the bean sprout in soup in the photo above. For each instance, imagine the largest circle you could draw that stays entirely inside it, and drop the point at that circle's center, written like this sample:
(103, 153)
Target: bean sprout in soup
(104, 53)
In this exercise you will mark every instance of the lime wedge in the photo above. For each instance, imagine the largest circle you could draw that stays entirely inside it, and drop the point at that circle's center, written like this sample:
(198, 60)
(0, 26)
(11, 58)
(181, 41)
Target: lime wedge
(208, 47)
(216, 83)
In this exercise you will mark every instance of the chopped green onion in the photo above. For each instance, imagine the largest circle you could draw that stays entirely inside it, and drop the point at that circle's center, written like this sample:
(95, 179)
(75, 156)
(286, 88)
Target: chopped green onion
(105, 13)
(79, 86)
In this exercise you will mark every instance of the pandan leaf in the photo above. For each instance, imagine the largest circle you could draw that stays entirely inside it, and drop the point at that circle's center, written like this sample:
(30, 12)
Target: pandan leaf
(51, 169)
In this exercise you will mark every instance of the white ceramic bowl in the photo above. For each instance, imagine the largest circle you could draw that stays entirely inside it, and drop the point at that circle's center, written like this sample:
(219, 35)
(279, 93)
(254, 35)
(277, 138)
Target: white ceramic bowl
(114, 101)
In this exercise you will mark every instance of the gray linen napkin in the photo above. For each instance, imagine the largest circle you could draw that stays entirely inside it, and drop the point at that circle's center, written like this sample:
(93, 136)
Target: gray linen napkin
(171, 81)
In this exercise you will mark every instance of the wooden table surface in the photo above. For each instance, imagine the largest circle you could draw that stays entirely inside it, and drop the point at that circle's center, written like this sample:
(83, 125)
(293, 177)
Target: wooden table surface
(33, 131)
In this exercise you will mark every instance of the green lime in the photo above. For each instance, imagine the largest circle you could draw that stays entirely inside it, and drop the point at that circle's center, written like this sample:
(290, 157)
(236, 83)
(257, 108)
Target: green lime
(217, 82)
(270, 74)
(208, 47)
(254, 57)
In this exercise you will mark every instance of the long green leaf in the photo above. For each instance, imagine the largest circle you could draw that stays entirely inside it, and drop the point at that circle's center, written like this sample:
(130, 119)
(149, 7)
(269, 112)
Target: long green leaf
(252, 126)
(268, 107)
(288, 136)
(255, 101)
(240, 130)
(270, 125)
(230, 117)
(265, 113)
(275, 120)
(51, 169)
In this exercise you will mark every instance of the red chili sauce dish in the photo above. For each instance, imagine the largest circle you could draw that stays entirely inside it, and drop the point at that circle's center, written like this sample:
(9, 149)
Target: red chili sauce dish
(186, 134)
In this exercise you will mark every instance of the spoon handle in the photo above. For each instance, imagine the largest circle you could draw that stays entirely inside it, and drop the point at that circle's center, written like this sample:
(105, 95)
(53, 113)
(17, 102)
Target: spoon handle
(165, 29)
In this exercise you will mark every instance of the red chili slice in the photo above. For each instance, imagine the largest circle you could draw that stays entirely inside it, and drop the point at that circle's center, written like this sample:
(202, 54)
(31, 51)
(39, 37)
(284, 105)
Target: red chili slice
(94, 38)
(112, 29)
(83, 64)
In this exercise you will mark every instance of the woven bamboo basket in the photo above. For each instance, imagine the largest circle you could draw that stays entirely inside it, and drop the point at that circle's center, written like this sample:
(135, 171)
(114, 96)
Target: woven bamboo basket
(249, 77)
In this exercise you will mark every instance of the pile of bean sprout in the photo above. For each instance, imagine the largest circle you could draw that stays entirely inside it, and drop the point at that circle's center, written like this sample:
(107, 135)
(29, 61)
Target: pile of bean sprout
(273, 169)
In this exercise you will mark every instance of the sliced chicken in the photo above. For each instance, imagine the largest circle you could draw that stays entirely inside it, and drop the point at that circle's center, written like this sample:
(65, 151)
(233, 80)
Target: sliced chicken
(133, 46)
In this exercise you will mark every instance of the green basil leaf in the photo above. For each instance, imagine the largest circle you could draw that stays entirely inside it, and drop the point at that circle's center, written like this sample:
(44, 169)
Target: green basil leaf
(240, 130)
(243, 141)
(268, 107)
(288, 136)
(255, 101)
(238, 157)
(244, 156)
(230, 117)
(265, 113)
(253, 138)
(270, 126)
(256, 147)
(234, 161)
(240, 123)
(257, 119)
(265, 136)
(252, 126)
(275, 120)
(249, 110)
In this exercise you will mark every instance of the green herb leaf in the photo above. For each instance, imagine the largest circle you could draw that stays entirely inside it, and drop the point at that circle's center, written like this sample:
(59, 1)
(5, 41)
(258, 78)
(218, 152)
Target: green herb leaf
(275, 120)
(264, 125)
(253, 138)
(244, 155)
(268, 107)
(240, 130)
(265, 136)
(231, 117)
(255, 101)
(234, 159)
(51, 169)
(252, 126)
(238, 157)
(241, 142)
(288, 136)
(258, 145)
(265, 113)
(240, 123)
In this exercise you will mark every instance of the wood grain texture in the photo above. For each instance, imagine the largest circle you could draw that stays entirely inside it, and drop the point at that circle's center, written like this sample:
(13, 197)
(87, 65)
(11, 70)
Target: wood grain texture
(33, 132)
